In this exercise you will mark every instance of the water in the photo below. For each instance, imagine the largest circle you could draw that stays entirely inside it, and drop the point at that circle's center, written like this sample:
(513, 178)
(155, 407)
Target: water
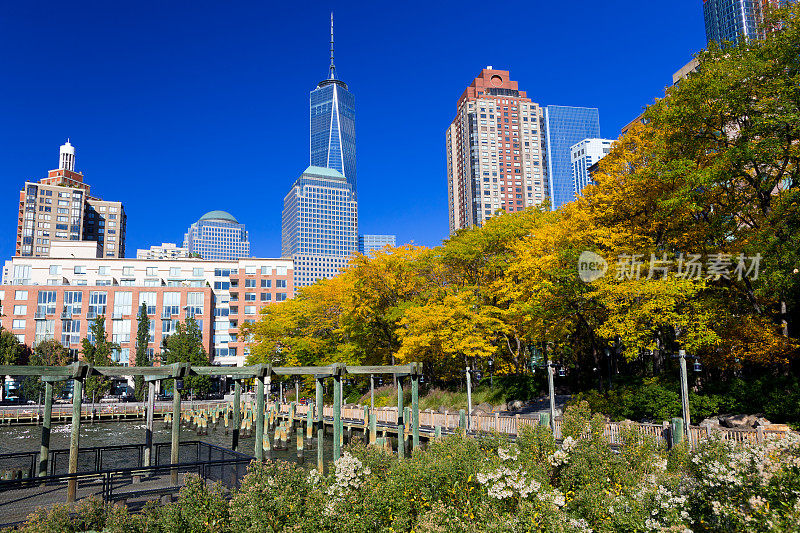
(28, 438)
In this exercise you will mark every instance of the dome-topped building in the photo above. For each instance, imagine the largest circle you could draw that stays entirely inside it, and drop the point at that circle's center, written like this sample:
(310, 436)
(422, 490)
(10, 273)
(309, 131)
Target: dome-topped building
(223, 216)
(217, 236)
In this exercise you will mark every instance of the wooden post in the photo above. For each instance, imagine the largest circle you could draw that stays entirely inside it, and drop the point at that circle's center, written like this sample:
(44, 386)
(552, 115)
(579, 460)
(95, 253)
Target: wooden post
(148, 432)
(176, 430)
(371, 392)
(337, 416)
(77, 392)
(297, 392)
(401, 452)
(676, 430)
(318, 407)
(415, 410)
(551, 391)
(309, 424)
(300, 442)
(44, 451)
(373, 428)
(462, 419)
(237, 416)
(259, 419)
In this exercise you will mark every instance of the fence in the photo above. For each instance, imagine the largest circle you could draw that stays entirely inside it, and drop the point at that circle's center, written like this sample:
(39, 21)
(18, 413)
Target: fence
(101, 411)
(114, 474)
(512, 425)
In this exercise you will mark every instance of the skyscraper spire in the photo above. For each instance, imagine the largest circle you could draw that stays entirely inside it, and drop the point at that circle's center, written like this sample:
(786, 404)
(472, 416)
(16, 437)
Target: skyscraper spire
(332, 69)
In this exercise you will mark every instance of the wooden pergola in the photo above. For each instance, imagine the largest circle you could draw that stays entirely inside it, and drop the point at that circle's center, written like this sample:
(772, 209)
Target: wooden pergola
(79, 371)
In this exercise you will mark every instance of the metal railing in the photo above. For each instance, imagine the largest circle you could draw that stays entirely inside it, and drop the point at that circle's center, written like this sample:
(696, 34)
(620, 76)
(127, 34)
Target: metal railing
(132, 483)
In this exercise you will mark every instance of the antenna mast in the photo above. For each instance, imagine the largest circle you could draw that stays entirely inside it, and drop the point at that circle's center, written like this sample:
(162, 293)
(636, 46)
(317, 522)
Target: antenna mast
(332, 69)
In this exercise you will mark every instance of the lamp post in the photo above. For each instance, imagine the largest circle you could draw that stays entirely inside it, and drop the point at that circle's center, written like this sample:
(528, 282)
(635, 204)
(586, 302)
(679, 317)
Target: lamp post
(682, 357)
(469, 395)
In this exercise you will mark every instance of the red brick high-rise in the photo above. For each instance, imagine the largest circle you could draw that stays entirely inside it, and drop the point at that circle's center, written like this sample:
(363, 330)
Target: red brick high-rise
(495, 151)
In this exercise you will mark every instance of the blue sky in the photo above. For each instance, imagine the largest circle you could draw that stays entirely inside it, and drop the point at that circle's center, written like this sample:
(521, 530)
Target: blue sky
(178, 108)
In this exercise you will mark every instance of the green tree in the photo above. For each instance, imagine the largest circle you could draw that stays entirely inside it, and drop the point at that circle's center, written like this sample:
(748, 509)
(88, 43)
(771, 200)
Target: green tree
(142, 356)
(98, 353)
(186, 346)
(12, 352)
(46, 353)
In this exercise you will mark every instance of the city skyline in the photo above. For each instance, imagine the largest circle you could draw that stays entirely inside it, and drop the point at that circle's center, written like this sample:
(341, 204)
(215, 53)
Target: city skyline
(224, 162)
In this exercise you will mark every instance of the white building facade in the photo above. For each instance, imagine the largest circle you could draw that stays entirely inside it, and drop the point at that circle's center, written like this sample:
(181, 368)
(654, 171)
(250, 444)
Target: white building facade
(583, 155)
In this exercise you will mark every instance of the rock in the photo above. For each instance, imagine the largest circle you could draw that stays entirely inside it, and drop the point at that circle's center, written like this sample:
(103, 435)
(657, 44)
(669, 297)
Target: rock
(711, 423)
(500, 408)
(483, 408)
(743, 421)
(442, 409)
(516, 405)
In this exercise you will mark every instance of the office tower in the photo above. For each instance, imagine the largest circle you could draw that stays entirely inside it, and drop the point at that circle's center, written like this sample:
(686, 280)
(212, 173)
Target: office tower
(58, 298)
(565, 127)
(583, 155)
(368, 243)
(60, 208)
(333, 129)
(495, 151)
(320, 224)
(217, 236)
(731, 20)
(166, 250)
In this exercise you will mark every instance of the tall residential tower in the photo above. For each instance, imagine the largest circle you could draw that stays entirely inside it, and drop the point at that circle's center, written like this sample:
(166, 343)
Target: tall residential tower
(60, 208)
(496, 156)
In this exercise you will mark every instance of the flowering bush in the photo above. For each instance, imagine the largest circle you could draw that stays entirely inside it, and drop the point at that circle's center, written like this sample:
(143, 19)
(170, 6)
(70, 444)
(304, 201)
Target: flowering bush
(487, 483)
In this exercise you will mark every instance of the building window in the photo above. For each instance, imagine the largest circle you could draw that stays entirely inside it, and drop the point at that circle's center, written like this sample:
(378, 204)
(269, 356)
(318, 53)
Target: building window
(72, 302)
(18, 324)
(149, 299)
(122, 303)
(20, 310)
(172, 303)
(121, 331)
(152, 271)
(20, 295)
(266, 297)
(194, 302)
(280, 296)
(46, 303)
(280, 283)
(70, 332)
(44, 330)
(174, 272)
(249, 309)
(55, 270)
(97, 304)
(266, 283)
(127, 271)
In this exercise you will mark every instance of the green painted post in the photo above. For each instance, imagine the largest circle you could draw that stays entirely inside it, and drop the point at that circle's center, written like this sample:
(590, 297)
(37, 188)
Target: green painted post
(373, 428)
(77, 392)
(437, 432)
(401, 452)
(676, 430)
(544, 419)
(44, 452)
(309, 424)
(318, 407)
(337, 416)
(237, 416)
(148, 431)
(462, 419)
(259, 419)
(176, 430)
(415, 410)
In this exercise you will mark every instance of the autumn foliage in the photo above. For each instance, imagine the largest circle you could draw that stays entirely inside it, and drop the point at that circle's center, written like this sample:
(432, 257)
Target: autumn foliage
(708, 185)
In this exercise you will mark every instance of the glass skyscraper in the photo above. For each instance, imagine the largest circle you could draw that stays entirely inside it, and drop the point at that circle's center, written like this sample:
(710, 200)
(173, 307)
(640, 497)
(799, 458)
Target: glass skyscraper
(217, 236)
(320, 224)
(333, 125)
(368, 243)
(566, 126)
(730, 20)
